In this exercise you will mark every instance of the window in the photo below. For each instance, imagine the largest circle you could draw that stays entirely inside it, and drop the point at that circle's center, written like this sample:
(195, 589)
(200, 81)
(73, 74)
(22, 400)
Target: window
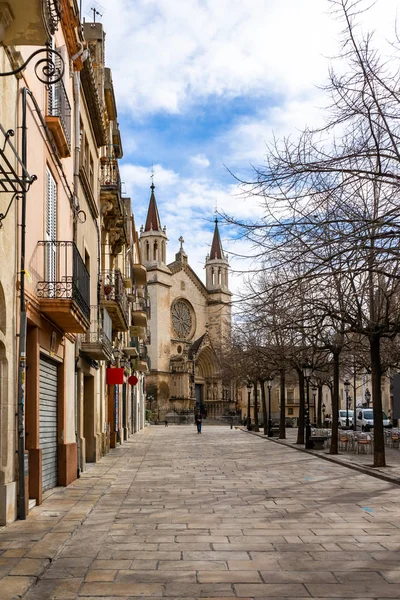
(290, 396)
(290, 411)
(87, 261)
(91, 173)
(51, 227)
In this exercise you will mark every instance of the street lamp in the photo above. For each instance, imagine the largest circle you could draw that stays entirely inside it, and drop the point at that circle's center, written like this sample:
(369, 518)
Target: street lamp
(314, 391)
(117, 354)
(269, 381)
(346, 389)
(248, 406)
(367, 397)
(307, 372)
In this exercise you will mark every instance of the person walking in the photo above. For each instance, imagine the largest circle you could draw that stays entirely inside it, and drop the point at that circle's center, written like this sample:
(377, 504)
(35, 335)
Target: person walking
(166, 423)
(199, 421)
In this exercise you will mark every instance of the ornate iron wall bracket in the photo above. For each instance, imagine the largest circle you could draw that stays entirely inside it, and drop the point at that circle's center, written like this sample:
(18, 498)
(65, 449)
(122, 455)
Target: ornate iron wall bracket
(46, 69)
(10, 181)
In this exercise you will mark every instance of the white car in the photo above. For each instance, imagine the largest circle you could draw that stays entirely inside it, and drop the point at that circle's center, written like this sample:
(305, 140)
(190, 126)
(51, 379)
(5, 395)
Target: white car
(342, 418)
(365, 419)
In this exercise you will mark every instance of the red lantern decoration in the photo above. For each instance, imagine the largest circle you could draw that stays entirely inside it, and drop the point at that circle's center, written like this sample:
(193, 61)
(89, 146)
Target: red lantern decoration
(132, 380)
(114, 376)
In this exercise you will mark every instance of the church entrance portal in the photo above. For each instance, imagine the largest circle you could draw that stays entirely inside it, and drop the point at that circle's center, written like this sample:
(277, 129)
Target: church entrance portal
(199, 397)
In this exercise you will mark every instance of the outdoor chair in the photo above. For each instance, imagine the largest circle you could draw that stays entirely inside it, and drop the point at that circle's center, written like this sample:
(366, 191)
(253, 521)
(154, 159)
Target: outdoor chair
(343, 442)
(394, 439)
(364, 443)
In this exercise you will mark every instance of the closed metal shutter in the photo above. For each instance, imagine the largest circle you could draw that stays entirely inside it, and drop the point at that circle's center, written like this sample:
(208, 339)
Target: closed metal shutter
(48, 421)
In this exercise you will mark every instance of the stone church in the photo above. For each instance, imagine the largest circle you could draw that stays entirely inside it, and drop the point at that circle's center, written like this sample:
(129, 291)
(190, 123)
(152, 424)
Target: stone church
(188, 325)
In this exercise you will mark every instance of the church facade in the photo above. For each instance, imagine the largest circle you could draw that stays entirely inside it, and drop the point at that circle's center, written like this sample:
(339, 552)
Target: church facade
(189, 322)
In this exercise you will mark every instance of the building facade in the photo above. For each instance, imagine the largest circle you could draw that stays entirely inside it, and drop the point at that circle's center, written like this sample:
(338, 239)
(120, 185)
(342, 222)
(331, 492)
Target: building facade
(72, 286)
(189, 322)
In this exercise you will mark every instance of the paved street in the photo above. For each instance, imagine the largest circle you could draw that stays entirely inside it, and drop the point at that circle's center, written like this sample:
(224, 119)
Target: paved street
(224, 514)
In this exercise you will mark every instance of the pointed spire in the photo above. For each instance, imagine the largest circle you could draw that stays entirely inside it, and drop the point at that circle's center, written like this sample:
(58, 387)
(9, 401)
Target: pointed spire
(216, 246)
(153, 220)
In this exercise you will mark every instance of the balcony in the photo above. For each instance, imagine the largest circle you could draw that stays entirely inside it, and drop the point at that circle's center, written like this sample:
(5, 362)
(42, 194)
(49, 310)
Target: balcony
(140, 365)
(114, 299)
(110, 179)
(97, 341)
(64, 294)
(141, 348)
(139, 274)
(28, 23)
(139, 315)
(136, 331)
(58, 118)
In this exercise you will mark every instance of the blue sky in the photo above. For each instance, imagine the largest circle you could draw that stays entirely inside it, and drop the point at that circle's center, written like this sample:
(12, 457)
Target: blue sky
(205, 83)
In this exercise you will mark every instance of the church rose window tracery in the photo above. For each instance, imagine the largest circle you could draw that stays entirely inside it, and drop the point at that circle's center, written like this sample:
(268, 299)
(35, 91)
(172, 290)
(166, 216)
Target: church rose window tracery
(182, 319)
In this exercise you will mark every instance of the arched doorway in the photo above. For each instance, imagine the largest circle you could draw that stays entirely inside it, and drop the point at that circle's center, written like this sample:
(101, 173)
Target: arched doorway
(207, 378)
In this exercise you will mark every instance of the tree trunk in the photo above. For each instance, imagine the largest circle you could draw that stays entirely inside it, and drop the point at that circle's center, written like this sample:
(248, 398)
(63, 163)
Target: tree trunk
(335, 403)
(300, 430)
(376, 374)
(282, 417)
(256, 426)
(264, 407)
(320, 401)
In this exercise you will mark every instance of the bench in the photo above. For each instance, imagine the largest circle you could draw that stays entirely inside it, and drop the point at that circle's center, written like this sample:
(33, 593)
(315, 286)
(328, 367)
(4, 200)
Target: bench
(318, 441)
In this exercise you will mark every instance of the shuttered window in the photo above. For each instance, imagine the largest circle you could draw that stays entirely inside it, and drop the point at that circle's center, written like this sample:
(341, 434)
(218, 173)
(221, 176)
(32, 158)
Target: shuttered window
(51, 228)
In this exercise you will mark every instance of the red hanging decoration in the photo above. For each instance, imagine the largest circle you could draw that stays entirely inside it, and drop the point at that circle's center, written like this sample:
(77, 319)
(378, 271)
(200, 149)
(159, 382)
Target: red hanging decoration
(114, 376)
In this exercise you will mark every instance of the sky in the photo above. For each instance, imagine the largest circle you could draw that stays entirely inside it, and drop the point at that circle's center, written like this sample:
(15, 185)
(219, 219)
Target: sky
(202, 86)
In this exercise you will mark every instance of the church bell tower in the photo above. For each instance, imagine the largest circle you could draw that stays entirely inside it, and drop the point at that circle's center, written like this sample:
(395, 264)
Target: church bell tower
(153, 246)
(219, 303)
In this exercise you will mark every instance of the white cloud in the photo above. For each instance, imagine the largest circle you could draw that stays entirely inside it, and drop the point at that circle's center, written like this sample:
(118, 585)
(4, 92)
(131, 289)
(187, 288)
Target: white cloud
(200, 160)
(166, 54)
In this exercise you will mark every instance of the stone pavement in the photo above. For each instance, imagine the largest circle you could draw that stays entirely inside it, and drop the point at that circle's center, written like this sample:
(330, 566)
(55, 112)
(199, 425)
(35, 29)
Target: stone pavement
(224, 514)
(358, 461)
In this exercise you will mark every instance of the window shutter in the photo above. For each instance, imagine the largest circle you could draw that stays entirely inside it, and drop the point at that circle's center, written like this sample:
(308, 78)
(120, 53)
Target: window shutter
(51, 229)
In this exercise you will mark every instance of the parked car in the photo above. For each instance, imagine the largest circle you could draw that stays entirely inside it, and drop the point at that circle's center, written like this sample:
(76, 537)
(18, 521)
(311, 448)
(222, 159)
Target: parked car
(365, 419)
(343, 416)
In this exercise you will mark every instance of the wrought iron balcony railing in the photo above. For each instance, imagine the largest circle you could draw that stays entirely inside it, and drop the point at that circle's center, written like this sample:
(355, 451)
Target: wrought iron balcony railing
(52, 10)
(113, 292)
(141, 349)
(109, 173)
(65, 275)
(97, 341)
(59, 110)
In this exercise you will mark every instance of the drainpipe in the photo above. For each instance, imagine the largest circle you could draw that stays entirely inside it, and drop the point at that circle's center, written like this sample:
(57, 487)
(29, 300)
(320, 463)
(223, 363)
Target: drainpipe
(22, 330)
(77, 150)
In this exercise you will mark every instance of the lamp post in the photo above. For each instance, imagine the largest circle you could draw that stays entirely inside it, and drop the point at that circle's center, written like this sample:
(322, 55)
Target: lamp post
(307, 372)
(367, 397)
(269, 381)
(346, 389)
(248, 406)
(314, 391)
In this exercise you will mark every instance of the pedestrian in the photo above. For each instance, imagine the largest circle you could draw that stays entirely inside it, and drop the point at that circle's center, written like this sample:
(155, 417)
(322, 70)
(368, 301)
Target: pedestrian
(199, 421)
(166, 423)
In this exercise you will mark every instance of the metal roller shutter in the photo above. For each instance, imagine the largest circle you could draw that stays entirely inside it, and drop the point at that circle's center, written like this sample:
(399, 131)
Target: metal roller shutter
(48, 421)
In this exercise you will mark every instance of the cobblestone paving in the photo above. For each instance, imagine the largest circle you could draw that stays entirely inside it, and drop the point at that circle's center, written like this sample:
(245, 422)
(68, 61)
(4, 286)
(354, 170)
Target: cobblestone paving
(224, 514)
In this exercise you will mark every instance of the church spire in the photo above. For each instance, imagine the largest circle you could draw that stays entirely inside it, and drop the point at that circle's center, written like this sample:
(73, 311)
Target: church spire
(216, 246)
(153, 219)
